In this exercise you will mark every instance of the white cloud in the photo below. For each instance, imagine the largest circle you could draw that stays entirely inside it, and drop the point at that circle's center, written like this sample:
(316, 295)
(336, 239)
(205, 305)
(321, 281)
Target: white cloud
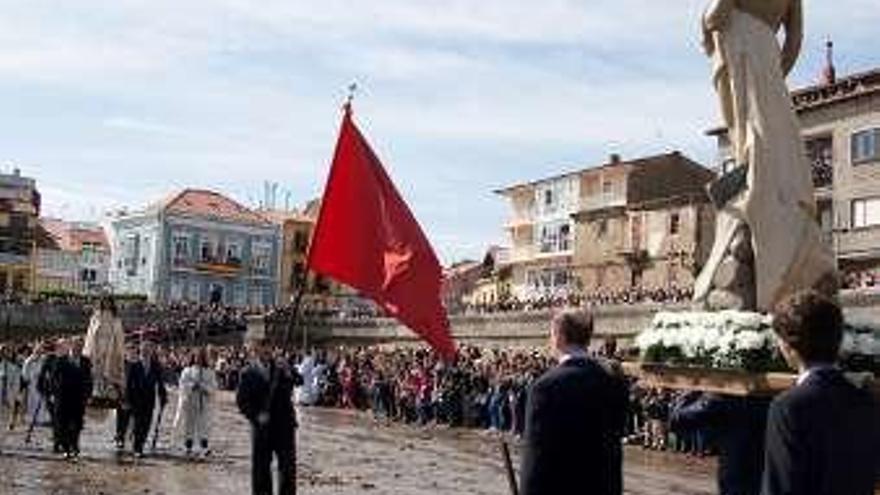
(125, 99)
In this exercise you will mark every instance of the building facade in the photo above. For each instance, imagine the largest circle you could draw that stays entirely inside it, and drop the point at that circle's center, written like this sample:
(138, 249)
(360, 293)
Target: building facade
(541, 232)
(19, 232)
(840, 120)
(652, 231)
(197, 246)
(600, 227)
(79, 260)
(296, 229)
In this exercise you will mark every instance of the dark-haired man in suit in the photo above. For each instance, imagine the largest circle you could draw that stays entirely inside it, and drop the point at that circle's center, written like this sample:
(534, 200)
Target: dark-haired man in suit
(265, 398)
(823, 435)
(144, 386)
(575, 417)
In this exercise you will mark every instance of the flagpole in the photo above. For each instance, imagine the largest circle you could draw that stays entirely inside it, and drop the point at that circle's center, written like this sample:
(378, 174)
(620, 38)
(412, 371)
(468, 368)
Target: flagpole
(304, 278)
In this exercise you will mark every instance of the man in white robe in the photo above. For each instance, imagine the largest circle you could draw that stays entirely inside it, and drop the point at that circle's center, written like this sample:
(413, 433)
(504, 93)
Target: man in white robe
(196, 388)
(105, 347)
(10, 387)
(307, 394)
(777, 204)
(36, 409)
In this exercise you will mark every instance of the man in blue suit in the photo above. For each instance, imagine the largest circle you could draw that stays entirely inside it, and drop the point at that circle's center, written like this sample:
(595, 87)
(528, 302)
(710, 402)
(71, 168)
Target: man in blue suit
(575, 417)
(737, 425)
(823, 435)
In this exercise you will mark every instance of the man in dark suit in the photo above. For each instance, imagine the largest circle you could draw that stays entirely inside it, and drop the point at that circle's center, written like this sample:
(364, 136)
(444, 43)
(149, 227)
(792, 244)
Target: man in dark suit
(68, 385)
(823, 435)
(265, 398)
(123, 411)
(737, 424)
(575, 416)
(143, 386)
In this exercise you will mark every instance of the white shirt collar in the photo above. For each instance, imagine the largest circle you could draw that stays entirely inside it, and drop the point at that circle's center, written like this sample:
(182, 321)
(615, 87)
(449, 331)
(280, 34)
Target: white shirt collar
(573, 353)
(811, 370)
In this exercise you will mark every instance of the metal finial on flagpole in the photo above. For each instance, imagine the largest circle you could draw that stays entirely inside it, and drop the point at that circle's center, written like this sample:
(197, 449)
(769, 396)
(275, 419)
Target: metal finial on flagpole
(352, 89)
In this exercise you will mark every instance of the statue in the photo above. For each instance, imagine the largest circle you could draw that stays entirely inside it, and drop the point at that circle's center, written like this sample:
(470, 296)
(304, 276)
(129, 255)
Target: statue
(768, 241)
(105, 346)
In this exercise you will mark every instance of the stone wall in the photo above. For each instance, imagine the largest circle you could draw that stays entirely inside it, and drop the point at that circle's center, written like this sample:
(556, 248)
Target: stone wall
(28, 322)
(507, 329)
(526, 329)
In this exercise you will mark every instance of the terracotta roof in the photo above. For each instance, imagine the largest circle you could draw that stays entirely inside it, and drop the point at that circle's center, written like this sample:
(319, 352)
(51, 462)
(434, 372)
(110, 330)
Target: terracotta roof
(842, 89)
(70, 236)
(211, 205)
(81, 235)
(819, 95)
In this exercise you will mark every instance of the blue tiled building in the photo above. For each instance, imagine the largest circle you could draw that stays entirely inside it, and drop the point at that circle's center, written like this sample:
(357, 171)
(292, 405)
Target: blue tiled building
(196, 246)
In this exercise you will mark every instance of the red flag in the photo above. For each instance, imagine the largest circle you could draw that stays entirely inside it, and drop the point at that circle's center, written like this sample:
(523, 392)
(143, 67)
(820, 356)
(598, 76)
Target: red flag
(367, 238)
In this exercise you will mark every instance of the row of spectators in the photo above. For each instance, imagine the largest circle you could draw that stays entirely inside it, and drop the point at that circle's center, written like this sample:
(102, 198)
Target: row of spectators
(483, 389)
(635, 295)
(188, 322)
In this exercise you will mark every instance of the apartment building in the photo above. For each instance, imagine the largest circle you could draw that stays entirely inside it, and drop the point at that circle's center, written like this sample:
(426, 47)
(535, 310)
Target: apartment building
(626, 223)
(840, 120)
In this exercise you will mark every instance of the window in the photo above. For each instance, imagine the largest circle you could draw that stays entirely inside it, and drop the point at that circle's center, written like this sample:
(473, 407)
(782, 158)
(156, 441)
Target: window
(208, 250)
(674, 223)
(130, 256)
(261, 258)
(564, 237)
(233, 253)
(549, 280)
(555, 237)
(607, 188)
(866, 146)
(145, 254)
(300, 242)
(547, 200)
(556, 197)
(865, 213)
(820, 155)
(180, 249)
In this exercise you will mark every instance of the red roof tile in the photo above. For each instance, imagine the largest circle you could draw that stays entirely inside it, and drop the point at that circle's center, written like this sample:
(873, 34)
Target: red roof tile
(212, 205)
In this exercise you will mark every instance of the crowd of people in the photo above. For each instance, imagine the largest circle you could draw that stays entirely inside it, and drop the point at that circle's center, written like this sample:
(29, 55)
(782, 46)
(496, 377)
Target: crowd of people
(179, 323)
(50, 383)
(633, 295)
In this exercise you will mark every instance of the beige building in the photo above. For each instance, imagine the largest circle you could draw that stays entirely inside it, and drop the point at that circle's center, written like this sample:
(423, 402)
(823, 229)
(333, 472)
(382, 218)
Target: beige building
(840, 119)
(20, 235)
(653, 234)
(472, 285)
(296, 235)
(78, 260)
(630, 223)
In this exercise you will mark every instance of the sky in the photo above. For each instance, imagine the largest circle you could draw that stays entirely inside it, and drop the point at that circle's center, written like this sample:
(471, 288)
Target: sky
(117, 103)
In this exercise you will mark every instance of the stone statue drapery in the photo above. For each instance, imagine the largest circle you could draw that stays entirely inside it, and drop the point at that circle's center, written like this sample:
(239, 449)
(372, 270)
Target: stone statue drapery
(105, 346)
(777, 205)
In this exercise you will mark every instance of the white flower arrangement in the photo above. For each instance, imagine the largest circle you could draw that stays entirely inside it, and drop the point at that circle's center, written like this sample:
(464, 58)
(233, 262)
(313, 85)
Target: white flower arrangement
(730, 339)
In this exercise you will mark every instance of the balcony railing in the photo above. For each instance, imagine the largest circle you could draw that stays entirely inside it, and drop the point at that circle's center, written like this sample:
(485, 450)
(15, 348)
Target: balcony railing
(218, 267)
(601, 202)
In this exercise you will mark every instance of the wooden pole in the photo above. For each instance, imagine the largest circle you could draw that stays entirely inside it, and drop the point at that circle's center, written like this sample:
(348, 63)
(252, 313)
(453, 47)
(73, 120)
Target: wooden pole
(508, 467)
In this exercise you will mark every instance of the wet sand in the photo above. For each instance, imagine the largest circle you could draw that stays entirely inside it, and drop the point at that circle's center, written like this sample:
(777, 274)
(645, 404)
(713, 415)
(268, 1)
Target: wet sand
(340, 452)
